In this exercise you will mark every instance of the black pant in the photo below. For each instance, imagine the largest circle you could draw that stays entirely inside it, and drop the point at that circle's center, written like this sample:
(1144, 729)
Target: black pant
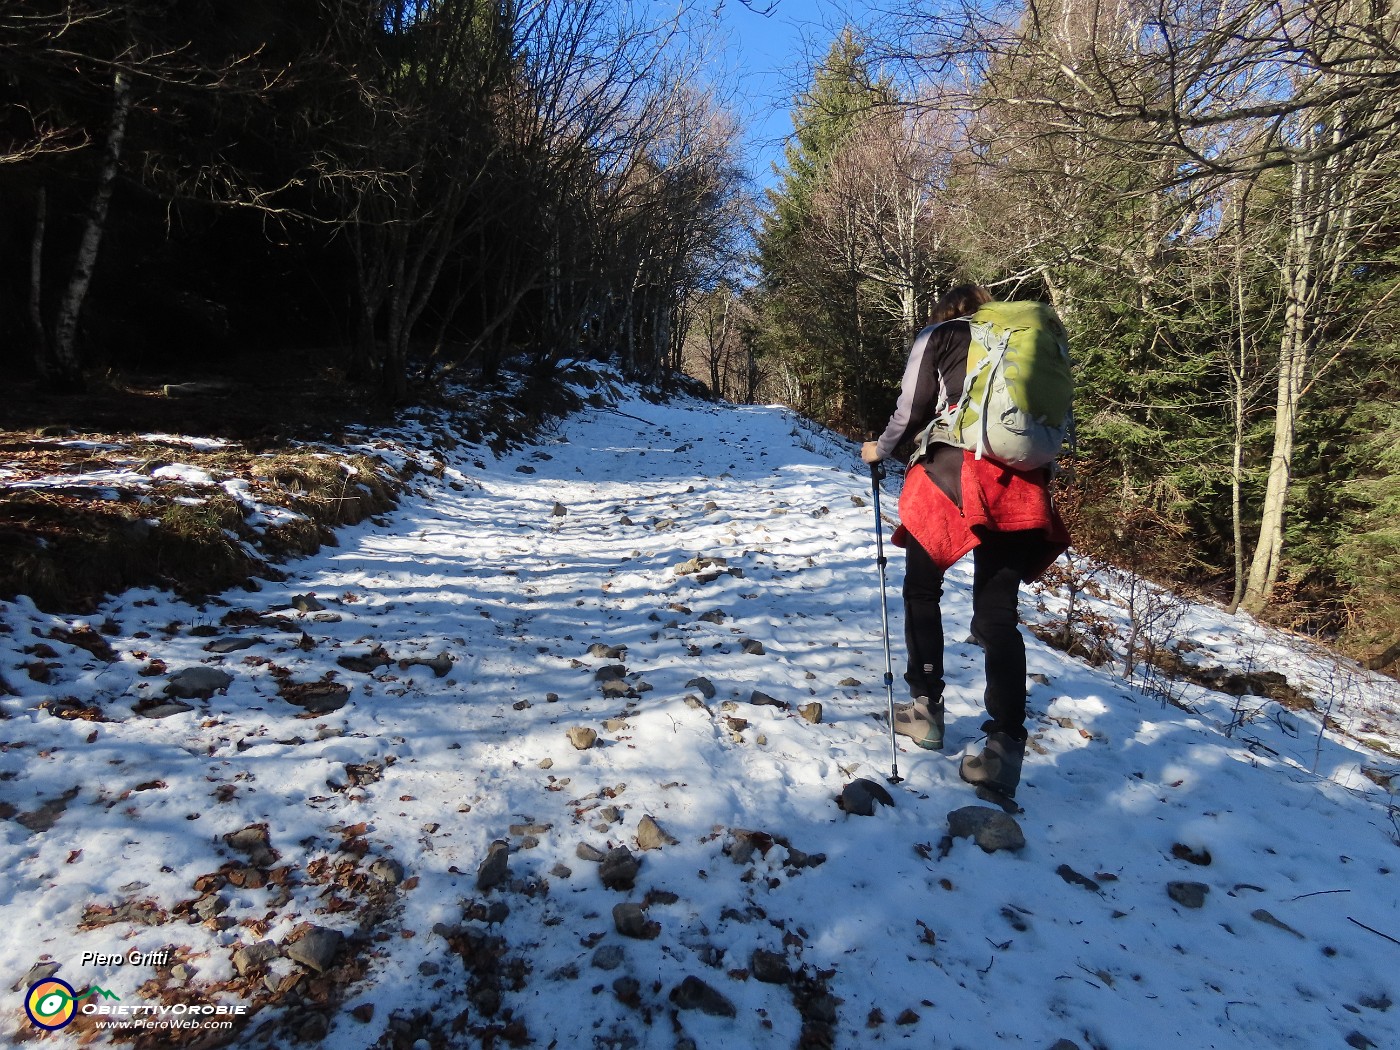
(999, 563)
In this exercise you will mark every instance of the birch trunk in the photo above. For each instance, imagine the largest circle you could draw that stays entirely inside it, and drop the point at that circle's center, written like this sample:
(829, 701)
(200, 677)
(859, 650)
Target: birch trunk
(1321, 240)
(1292, 361)
(36, 280)
(67, 368)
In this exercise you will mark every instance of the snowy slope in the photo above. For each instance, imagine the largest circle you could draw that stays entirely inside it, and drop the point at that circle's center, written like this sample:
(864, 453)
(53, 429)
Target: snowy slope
(514, 567)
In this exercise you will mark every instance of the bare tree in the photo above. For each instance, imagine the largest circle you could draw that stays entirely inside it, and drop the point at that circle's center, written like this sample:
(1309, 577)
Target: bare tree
(77, 70)
(1166, 108)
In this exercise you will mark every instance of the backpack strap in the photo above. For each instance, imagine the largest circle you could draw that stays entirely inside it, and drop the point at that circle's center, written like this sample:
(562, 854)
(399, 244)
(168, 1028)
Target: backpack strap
(996, 347)
(940, 428)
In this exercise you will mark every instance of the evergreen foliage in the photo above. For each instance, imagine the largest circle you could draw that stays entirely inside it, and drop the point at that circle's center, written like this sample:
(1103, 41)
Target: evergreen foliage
(1225, 267)
(845, 257)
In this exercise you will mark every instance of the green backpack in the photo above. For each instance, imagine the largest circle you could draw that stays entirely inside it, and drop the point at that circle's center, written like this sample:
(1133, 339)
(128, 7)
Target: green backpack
(1015, 404)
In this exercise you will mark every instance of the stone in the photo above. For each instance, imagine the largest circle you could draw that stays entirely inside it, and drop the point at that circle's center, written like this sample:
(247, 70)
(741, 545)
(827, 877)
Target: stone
(366, 663)
(1260, 915)
(387, 871)
(582, 737)
(153, 708)
(1073, 877)
(752, 646)
(990, 828)
(589, 852)
(628, 991)
(609, 957)
(698, 565)
(252, 841)
(307, 603)
(631, 921)
(439, 664)
(811, 713)
(606, 652)
(619, 869)
(614, 725)
(798, 860)
(694, 994)
(198, 682)
(209, 906)
(314, 1028)
(849, 683)
(1200, 857)
(223, 646)
(762, 699)
(495, 869)
(317, 698)
(318, 949)
(769, 967)
(651, 835)
(249, 958)
(615, 688)
(860, 797)
(38, 972)
(1188, 894)
(706, 687)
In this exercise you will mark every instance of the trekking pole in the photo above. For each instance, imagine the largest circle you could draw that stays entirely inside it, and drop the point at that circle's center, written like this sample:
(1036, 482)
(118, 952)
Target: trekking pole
(894, 777)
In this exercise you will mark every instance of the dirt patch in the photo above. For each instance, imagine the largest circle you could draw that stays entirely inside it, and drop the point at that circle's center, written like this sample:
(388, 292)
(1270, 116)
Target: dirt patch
(67, 545)
(255, 410)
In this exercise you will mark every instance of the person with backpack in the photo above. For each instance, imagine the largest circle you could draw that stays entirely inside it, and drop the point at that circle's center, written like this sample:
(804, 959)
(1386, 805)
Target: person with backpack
(985, 399)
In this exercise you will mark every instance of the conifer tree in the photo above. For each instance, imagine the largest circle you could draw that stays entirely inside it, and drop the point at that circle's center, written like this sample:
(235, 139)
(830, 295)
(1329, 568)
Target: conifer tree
(830, 349)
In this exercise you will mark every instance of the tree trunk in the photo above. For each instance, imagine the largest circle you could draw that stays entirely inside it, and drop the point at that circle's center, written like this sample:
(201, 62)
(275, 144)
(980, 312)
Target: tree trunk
(1237, 491)
(1239, 408)
(36, 281)
(1325, 192)
(67, 369)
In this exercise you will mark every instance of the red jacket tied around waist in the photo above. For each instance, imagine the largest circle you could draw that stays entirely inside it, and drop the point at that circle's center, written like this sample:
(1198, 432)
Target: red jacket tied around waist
(995, 498)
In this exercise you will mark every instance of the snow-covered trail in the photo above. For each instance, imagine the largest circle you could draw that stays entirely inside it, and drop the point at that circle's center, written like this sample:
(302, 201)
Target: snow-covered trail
(525, 571)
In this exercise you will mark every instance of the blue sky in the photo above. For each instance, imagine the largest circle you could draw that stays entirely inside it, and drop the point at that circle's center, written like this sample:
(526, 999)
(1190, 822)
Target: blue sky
(769, 55)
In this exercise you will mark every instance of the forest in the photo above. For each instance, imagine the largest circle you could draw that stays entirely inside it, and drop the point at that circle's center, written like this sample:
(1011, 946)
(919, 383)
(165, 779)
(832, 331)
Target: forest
(398, 190)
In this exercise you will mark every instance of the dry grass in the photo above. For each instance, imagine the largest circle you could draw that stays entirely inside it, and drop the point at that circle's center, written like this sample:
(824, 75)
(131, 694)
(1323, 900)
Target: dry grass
(68, 547)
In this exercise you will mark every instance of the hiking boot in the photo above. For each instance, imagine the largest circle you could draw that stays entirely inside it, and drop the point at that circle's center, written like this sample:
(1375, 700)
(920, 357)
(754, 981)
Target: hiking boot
(998, 767)
(921, 722)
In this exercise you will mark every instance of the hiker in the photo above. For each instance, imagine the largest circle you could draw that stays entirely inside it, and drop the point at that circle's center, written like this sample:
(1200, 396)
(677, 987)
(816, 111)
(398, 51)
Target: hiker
(956, 500)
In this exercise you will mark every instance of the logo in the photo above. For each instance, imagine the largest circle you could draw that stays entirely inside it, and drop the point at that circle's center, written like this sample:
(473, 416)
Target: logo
(51, 1003)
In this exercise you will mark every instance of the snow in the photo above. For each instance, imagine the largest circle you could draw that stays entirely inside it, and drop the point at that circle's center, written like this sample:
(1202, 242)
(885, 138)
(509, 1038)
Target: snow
(1123, 778)
(117, 484)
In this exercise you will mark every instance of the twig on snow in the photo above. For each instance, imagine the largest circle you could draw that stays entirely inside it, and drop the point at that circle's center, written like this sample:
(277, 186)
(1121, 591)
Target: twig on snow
(1378, 933)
